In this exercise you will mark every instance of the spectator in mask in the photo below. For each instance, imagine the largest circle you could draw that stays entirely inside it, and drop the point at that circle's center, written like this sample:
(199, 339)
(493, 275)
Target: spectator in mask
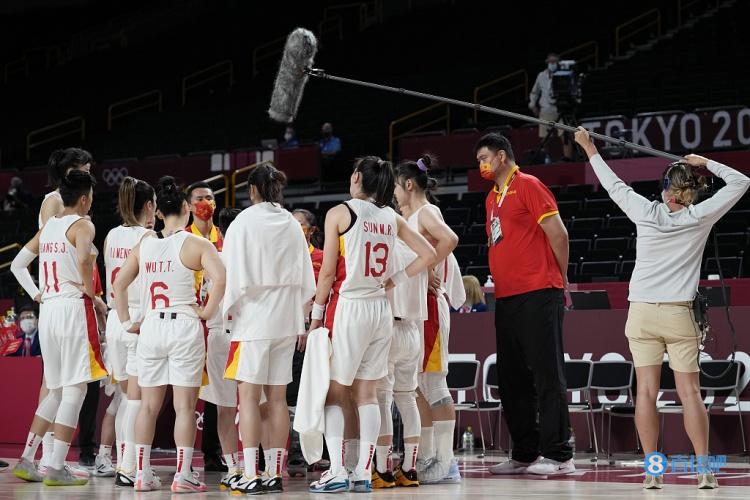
(330, 145)
(29, 332)
(290, 139)
(18, 197)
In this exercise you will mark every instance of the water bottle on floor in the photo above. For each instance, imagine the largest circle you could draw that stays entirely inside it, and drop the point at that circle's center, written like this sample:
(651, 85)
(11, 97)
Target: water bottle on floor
(467, 439)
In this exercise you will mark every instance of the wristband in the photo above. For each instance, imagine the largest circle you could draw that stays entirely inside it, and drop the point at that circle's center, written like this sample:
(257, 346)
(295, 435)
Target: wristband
(317, 311)
(126, 325)
(400, 277)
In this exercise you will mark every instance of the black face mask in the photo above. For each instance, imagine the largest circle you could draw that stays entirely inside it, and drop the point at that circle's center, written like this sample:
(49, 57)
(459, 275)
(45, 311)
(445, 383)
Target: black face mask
(327, 134)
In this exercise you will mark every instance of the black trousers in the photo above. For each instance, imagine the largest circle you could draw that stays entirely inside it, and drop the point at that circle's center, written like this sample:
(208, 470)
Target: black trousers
(531, 374)
(87, 420)
(210, 445)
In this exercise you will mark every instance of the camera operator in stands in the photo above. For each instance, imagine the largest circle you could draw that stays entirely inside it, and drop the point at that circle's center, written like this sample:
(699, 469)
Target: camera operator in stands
(671, 236)
(543, 103)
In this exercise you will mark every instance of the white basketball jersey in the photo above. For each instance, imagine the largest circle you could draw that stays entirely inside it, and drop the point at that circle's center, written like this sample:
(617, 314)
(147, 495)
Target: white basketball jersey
(440, 267)
(55, 194)
(120, 241)
(408, 299)
(366, 248)
(58, 261)
(165, 281)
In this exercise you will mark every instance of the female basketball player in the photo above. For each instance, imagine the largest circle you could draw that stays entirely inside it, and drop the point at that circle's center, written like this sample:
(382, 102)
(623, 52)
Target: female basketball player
(67, 324)
(60, 163)
(414, 195)
(137, 208)
(171, 348)
(270, 280)
(363, 230)
(220, 391)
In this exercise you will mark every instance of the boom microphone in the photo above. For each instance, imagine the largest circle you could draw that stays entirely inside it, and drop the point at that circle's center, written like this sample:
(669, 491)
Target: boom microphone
(296, 66)
(299, 51)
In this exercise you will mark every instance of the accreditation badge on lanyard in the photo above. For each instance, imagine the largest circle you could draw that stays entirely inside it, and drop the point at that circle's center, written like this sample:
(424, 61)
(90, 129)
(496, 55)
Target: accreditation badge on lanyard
(496, 230)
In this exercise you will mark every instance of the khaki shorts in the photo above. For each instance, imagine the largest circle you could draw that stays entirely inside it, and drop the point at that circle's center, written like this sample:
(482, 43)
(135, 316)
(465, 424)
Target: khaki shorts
(653, 328)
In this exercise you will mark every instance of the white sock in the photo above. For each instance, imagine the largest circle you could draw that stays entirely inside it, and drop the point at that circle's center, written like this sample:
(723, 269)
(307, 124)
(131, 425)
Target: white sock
(120, 417)
(32, 444)
(48, 445)
(59, 454)
(275, 465)
(383, 455)
(369, 428)
(426, 444)
(143, 454)
(444, 439)
(232, 460)
(119, 447)
(128, 429)
(184, 459)
(351, 453)
(334, 435)
(410, 456)
(252, 456)
(105, 451)
(267, 458)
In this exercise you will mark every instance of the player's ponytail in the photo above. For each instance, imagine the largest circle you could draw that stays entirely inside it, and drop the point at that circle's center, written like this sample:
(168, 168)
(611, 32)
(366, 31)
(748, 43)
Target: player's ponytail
(377, 179)
(132, 197)
(62, 160)
(419, 173)
(75, 184)
(269, 181)
(169, 197)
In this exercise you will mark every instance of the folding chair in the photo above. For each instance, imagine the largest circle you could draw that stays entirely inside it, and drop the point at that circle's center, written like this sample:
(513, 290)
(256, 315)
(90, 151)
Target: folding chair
(609, 376)
(464, 376)
(728, 386)
(578, 378)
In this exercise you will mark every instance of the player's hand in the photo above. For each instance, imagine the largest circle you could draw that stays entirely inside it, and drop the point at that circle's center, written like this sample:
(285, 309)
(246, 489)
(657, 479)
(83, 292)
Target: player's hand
(38, 298)
(302, 342)
(535, 110)
(100, 306)
(696, 160)
(134, 328)
(389, 284)
(433, 282)
(314, 324)
(200, 312)
(584, 140)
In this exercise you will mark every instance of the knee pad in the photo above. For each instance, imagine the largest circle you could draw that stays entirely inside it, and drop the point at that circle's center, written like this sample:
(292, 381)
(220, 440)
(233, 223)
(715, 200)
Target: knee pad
(385, 404)
(48, 407)
(434, 387)
(407, 407)
(70, 405)
(114, 404)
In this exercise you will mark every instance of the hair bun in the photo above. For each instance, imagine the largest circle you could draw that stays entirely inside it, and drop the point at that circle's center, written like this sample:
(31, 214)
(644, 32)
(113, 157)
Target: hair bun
(166, 185)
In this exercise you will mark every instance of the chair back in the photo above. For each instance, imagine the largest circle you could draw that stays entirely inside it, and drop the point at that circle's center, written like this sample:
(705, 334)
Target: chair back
(612, 375)
(728, 382)
(490, 381)
(578, 374)
(463, 375)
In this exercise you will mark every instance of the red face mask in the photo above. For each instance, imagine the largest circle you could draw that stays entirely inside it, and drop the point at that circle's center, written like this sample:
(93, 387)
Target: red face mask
(487, 172)
(204, 209)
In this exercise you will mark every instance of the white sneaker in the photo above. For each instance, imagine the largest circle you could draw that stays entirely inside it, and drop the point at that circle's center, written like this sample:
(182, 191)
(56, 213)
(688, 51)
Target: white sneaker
(549, 467)
(434, 473)
(330, 483)
(707, 481)
(76, 471)
(145, 481)
(103, 466)
(423, 464)
(653, 482)
(510, 467)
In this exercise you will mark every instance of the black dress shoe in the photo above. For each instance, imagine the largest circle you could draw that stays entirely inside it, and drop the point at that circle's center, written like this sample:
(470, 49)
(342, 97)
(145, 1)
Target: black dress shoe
(214, 464)
(4, 465)
(87, 460)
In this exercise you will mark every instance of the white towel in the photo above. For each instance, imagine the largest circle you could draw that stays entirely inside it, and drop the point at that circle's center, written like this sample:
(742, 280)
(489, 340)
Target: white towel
(309, 416)
(454, 283)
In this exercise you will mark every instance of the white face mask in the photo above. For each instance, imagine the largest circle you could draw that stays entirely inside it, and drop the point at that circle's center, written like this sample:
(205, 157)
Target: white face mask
(28, 325)
(287, 136)
(552, 67)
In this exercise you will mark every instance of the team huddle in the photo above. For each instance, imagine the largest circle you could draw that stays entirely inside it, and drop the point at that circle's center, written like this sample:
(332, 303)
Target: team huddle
(219, 317)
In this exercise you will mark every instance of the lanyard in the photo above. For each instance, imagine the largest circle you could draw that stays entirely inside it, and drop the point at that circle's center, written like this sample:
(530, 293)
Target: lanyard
(496, 212)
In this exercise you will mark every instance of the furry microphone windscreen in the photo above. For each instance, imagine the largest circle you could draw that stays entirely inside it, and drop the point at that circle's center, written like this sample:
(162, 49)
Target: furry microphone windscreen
(299, 51)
